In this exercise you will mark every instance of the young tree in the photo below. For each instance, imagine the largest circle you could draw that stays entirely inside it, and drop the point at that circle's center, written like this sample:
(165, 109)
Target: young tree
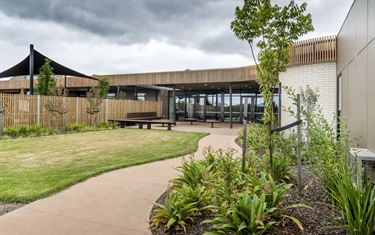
(57, 105)
(46, 80)
(122, 95)
(103, 87)
(273, 29)
(94, 100)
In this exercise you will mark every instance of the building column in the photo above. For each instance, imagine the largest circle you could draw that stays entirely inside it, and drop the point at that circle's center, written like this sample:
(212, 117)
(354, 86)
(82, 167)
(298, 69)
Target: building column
(230, 106)
(205, 107)
(31, 70)
(185, 106)
(64, 83)
(118, 92)
(217, 96)
(135, 93)
(174, 113)
(222, 107)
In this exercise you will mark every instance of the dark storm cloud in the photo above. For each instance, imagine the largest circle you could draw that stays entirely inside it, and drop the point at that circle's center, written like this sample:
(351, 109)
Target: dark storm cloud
(181, 22)
(198, 24)
(225, 43)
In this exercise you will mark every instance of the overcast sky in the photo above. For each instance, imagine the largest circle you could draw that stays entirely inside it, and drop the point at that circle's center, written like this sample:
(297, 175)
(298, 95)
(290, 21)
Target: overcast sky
(131, 36)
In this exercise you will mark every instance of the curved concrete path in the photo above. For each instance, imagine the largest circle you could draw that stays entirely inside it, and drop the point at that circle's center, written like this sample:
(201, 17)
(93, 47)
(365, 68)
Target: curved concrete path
(118, 202)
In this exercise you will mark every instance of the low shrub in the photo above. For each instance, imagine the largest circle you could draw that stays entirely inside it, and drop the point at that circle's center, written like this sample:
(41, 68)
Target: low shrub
(281, 168)
(356, 203)
(104, 125)
(115, 125)
(192, 174)
(247, 216)
(11, 131)
(329, 160)
(174, 214)
(217, 184)
(76, 128)
(257, 142)
(190, 195)
(49, 131)
(274, 192)
(35, 130)
(23, 131)
(225, 180)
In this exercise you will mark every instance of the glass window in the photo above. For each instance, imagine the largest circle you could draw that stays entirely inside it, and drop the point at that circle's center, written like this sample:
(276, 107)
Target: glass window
(141, 96)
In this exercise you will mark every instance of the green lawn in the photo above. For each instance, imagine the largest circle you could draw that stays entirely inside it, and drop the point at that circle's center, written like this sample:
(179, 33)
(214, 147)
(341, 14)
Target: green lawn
(32, 168)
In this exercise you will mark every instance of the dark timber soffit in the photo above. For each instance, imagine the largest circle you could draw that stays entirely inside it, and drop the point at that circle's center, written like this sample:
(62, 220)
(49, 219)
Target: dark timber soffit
(23, 67)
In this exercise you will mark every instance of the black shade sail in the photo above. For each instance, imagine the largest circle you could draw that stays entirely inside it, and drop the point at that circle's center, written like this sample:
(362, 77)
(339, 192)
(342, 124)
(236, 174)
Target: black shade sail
(23, 68)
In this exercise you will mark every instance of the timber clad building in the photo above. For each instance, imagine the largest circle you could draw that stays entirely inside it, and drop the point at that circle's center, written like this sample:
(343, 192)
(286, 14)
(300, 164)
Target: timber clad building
(203, 94)
(344, 77)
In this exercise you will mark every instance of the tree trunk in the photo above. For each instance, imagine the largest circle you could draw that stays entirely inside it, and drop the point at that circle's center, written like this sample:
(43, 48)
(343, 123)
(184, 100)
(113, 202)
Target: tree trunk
(270, 134)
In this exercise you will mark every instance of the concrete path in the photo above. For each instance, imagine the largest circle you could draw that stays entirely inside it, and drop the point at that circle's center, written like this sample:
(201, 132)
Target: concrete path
(117, 202)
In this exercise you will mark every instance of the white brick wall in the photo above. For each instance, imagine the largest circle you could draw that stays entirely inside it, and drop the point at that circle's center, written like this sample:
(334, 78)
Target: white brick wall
(321, 76)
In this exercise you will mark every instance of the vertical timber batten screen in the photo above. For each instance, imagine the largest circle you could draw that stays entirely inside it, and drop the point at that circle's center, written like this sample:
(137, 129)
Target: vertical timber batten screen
(312, 51)
(25, 110)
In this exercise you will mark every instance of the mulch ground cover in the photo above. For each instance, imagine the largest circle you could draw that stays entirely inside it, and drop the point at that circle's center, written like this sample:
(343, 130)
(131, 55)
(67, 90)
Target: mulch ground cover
(8, 207)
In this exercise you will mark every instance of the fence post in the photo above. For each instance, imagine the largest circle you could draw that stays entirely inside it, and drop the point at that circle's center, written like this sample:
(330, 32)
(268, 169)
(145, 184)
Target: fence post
(161, 109)
(244, 120)
(38, 112)
(299, 139)
(106, 110)
(77, 109)
(1, 119)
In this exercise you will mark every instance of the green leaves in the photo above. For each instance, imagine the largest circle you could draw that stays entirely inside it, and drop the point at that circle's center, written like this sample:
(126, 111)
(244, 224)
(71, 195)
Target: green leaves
(46, 84)
(241, 203)
(174, 213)
(103, 87)
(274, 29)
(192, 174)
(331, 164)
(356, 202)
(247, 216)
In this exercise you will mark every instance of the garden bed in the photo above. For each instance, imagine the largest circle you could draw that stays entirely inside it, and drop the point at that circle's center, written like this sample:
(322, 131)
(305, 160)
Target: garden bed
(314, 220)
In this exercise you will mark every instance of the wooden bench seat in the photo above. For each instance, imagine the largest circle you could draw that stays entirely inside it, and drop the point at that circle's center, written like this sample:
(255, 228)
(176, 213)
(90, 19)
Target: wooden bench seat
(140, 122)
(191, 120)
(212, 122)
(143, 115)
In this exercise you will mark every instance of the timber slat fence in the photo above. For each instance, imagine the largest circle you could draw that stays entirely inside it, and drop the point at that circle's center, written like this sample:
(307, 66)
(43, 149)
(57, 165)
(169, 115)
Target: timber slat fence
(315, 50)
(25, 110)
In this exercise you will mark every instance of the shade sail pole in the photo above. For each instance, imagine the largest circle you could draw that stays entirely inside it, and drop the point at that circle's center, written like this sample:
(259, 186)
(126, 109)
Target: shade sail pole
(31, 58)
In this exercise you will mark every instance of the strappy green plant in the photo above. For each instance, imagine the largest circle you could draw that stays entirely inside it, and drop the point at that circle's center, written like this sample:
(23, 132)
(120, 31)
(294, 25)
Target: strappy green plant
(192, 173)
(248, 216)
(174, 213)
(274, 193)
(189, 195)
(357, 204)
(281, 171)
